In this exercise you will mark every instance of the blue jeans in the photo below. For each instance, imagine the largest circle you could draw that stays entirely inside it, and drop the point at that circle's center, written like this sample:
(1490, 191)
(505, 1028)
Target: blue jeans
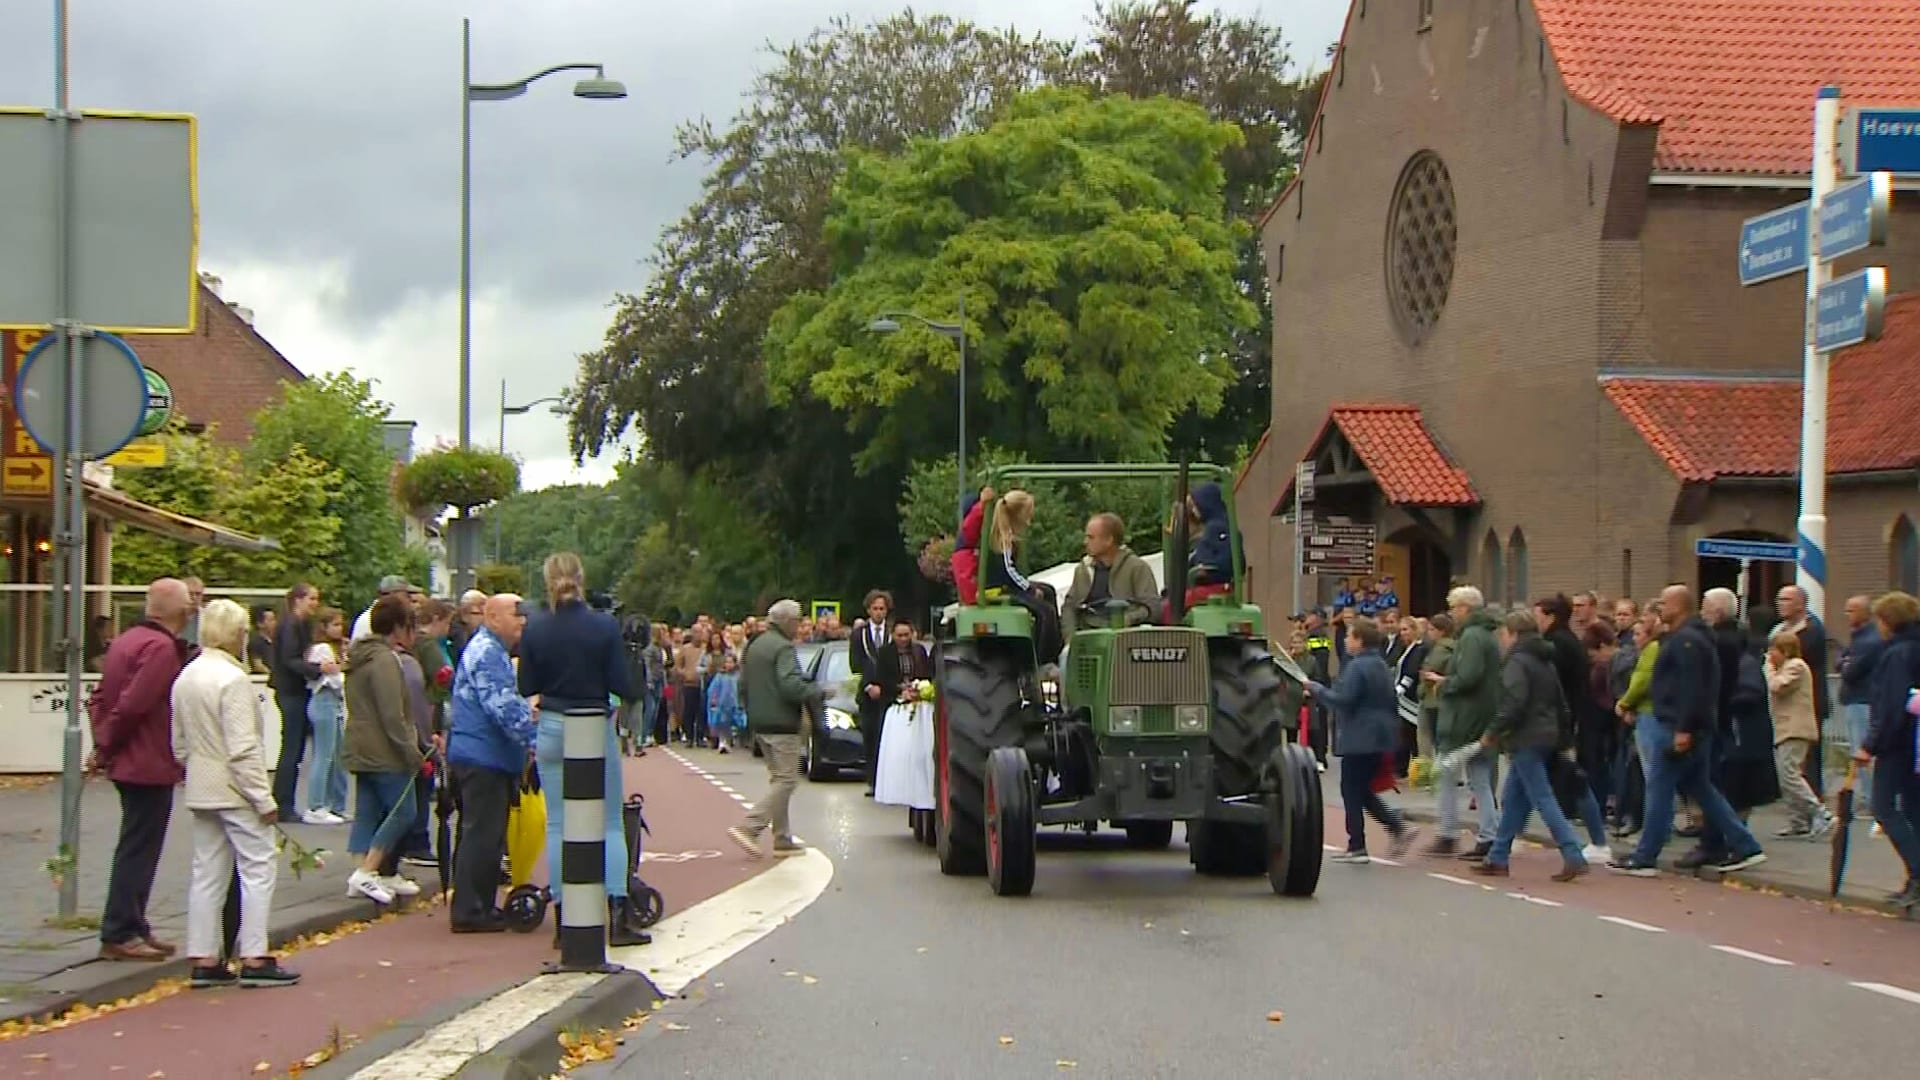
(1590, 813)
(1688, 774)
(1528, 790)
(327, 783)
(1480, 782)
(549, 757)
(1896, 806)
(1858, 717)
(383, 810)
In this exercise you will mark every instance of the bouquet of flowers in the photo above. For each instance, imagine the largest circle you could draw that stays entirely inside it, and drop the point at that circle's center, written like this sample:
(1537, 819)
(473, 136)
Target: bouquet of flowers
(922, 690)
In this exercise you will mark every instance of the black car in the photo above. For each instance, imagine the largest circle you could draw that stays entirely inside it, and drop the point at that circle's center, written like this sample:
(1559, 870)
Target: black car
(833, 735)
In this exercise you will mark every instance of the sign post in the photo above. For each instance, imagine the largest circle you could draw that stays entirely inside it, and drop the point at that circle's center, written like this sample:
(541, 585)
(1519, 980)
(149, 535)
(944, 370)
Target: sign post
(1747, 552)
(1837, 220)
(1303, 477)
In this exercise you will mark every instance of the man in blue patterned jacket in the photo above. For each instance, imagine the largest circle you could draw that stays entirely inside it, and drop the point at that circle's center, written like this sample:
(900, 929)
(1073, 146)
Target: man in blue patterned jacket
(490, 736)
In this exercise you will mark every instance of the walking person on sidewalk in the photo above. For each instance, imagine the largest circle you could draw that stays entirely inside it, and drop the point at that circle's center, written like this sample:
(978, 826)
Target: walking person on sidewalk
(1366, 730)
(382, 750)
(1856, 674)
(1790, 692)
(1469, 693)
(1676, 741)
(776, 696)
(132, 715)
(572, 658)
(491, 738)
(292, 671)
(1892, 742)
(219, 736)
(1530, 727)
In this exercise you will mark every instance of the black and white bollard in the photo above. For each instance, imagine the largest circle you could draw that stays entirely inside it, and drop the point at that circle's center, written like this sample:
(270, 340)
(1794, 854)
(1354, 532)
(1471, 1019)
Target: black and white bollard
(583, 842)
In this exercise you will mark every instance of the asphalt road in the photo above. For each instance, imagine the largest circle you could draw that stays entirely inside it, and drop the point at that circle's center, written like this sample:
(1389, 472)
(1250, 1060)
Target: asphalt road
(1125, 964)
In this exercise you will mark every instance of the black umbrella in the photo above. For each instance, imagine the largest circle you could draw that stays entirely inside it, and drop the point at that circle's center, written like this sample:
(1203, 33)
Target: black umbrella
(445, 805)
(1842, 828)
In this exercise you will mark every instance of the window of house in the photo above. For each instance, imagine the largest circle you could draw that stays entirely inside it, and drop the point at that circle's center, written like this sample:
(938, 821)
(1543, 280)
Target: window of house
(1421, 235)
(1517, 568)
(1903, 557)
(1494, 574)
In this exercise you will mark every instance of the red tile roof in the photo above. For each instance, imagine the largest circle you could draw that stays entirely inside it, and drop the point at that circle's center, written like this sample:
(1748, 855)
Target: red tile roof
(1732, 82)
(1708, 428)
(1396, 447)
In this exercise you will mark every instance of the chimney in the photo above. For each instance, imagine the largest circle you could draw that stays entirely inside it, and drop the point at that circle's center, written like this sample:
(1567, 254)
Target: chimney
(245, 313)
(211, 281)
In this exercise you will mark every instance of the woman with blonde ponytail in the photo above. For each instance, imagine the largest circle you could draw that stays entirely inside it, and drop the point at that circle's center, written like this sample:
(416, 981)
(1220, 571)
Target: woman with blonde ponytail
(1001, 578)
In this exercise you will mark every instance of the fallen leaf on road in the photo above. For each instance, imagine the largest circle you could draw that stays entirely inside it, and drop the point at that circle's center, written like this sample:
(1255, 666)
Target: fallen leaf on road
(262, 1066)
(922, 948)
(39, 1057)
(1276, 1016)
(789, 974)
(1063, 1063)
(808, 979)
(1146, 926)
(1006, 1040)
(386, 963)
(156, 1075)
(671, 1026)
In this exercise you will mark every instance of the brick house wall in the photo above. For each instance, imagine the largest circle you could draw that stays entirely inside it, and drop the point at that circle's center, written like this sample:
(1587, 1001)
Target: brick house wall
(222, 373)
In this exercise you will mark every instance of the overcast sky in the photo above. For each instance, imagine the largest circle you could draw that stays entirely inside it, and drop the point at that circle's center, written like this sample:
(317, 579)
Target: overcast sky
(329, 164)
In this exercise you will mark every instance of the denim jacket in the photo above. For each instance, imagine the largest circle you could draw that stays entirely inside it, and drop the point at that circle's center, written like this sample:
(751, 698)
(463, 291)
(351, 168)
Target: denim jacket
(491, 724)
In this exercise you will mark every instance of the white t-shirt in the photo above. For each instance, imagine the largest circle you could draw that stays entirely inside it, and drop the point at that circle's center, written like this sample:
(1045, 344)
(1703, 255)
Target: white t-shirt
(363, 625)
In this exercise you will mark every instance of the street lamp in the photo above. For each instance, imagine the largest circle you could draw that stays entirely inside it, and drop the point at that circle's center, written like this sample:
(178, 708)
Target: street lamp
(556, 406)
(596, 88)
(889, 323)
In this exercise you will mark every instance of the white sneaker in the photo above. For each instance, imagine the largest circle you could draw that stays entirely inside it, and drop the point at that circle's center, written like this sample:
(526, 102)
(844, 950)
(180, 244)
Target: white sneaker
(401, 886)
(1597, 854)
(361, 883)
(322, 817)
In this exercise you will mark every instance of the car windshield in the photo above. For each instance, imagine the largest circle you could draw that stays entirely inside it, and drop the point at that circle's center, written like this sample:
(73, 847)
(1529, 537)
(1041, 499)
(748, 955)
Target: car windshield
(837, 667)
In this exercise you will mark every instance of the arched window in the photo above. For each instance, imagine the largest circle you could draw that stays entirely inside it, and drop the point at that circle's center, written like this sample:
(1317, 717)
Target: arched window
(1493, 574)
(1517, 569)
(1903, 557)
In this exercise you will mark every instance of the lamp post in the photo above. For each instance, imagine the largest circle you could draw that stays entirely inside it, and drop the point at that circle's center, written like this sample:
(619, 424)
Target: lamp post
(506, 410)
(889, 323)
(596, 88)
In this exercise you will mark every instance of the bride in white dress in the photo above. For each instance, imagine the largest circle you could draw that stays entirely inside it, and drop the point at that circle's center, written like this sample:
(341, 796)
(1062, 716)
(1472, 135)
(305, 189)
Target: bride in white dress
(904, 776)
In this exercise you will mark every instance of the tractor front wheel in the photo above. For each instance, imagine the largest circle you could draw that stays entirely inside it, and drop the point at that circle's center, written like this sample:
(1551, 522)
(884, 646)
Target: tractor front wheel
(1296, 821)
(1010, 823)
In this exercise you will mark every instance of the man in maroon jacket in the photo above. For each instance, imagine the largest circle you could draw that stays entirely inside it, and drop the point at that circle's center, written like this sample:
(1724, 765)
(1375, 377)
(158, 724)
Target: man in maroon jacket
(132, 715)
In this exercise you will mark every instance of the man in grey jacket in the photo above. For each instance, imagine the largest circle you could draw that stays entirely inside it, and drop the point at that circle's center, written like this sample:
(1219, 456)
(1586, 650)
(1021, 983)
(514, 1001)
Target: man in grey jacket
(777, 697)
(1111, 571)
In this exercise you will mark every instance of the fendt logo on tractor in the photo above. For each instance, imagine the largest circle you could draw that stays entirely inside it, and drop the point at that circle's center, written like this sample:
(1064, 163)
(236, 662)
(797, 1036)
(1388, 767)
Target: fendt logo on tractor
(1145, 654)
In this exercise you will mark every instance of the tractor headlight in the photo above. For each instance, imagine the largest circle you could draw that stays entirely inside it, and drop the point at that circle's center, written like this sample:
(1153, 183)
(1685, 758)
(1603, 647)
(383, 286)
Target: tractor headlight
(1124, 719)
(838, 720)
(1190, 718)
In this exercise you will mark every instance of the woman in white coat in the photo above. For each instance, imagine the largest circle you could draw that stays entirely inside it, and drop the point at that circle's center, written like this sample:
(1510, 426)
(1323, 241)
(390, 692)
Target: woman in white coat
(217, 729)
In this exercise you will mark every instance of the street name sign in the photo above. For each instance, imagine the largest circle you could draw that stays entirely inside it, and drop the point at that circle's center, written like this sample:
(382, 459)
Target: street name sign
(1338, 549)
(1746, 550)
(135, 248)
(1880, 139)
(1774, 244)
(1853, 217)
(1850, 309)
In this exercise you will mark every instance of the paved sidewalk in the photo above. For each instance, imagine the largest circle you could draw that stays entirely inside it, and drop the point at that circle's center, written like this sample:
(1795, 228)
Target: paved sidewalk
(44, 967)
(1793, 867)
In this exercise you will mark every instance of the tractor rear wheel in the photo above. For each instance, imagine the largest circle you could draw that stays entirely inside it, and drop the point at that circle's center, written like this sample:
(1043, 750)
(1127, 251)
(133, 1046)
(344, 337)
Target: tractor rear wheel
(979, 709)
(1010, 829)
(1296, 821)
(1148, 835)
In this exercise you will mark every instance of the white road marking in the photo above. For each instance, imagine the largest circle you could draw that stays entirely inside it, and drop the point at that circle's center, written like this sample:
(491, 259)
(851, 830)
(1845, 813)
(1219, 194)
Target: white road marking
(1631, 925)
(743, 800)
(446, 1049)
(1541, 900)
(1385, 861)
(1330, 847)
(1450, 879)
(1896, 992)
(1762, 957)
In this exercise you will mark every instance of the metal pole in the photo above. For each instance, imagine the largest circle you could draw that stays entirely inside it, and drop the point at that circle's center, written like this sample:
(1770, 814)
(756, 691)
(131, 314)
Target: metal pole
(962, 459)
(1812, 568)
(70, 507)
(1299, 556)
(495, 513)
(463, 541)
(1746, 583)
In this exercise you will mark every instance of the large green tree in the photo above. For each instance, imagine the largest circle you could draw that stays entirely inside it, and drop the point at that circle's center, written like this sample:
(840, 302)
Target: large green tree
(1089, 238)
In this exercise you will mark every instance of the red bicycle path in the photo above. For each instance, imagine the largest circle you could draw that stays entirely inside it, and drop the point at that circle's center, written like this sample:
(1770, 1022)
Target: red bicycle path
(409, 968)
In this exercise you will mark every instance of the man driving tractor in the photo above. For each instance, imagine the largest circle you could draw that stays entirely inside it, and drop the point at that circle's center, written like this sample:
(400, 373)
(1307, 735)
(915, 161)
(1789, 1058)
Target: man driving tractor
(1110, 571)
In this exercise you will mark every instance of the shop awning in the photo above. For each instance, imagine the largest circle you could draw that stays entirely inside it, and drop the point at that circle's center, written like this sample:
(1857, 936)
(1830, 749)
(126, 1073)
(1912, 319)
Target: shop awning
(122, 507)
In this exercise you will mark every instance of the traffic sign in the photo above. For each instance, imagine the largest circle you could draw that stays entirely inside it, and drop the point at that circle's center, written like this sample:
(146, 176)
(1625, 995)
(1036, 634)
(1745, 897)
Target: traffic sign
(1853, 216)
(133, 259)
(27, 470)
(1338, 548)
(1880, 139)
(1774, 244)
(27, 476)
(1754, 550)
(1850, 309)
(138, 455)
(1303, 476)
(113, 395)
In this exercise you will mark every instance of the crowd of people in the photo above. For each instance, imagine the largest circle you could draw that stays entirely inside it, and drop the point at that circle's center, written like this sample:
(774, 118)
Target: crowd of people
(1610, 714)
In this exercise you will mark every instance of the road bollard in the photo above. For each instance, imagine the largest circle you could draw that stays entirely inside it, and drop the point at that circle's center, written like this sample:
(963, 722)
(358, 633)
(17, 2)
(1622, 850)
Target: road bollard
(583, 842)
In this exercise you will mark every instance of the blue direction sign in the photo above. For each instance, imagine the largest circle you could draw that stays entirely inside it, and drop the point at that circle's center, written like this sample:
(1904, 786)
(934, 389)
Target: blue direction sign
(1753, 550)
(1881, 140)
(1853, 216)
(1851, 309)
(1774, 244)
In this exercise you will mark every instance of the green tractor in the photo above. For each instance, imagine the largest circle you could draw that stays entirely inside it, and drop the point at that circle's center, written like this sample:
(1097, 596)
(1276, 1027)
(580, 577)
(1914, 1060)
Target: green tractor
(1149, 720)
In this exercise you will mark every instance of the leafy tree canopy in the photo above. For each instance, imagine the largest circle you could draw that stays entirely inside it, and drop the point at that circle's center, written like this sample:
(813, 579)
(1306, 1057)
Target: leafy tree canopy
(1090, 237)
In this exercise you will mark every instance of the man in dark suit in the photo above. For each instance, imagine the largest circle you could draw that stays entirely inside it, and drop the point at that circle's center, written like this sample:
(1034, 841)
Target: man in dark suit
(865, 653)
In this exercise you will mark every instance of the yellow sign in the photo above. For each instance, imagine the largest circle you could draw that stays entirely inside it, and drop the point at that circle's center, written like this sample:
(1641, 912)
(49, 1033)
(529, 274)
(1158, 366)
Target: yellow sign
(138, 455)
(27, 476)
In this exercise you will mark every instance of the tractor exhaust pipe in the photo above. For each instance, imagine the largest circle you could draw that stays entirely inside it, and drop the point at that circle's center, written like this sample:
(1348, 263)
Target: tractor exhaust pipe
(1178, 557)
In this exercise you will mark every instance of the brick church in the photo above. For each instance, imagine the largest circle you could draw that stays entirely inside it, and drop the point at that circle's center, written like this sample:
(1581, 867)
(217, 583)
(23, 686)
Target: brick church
(1508, 324)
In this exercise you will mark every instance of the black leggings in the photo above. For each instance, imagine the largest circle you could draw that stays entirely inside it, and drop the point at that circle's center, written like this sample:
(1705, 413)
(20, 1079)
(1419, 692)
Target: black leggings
(1044, 604)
